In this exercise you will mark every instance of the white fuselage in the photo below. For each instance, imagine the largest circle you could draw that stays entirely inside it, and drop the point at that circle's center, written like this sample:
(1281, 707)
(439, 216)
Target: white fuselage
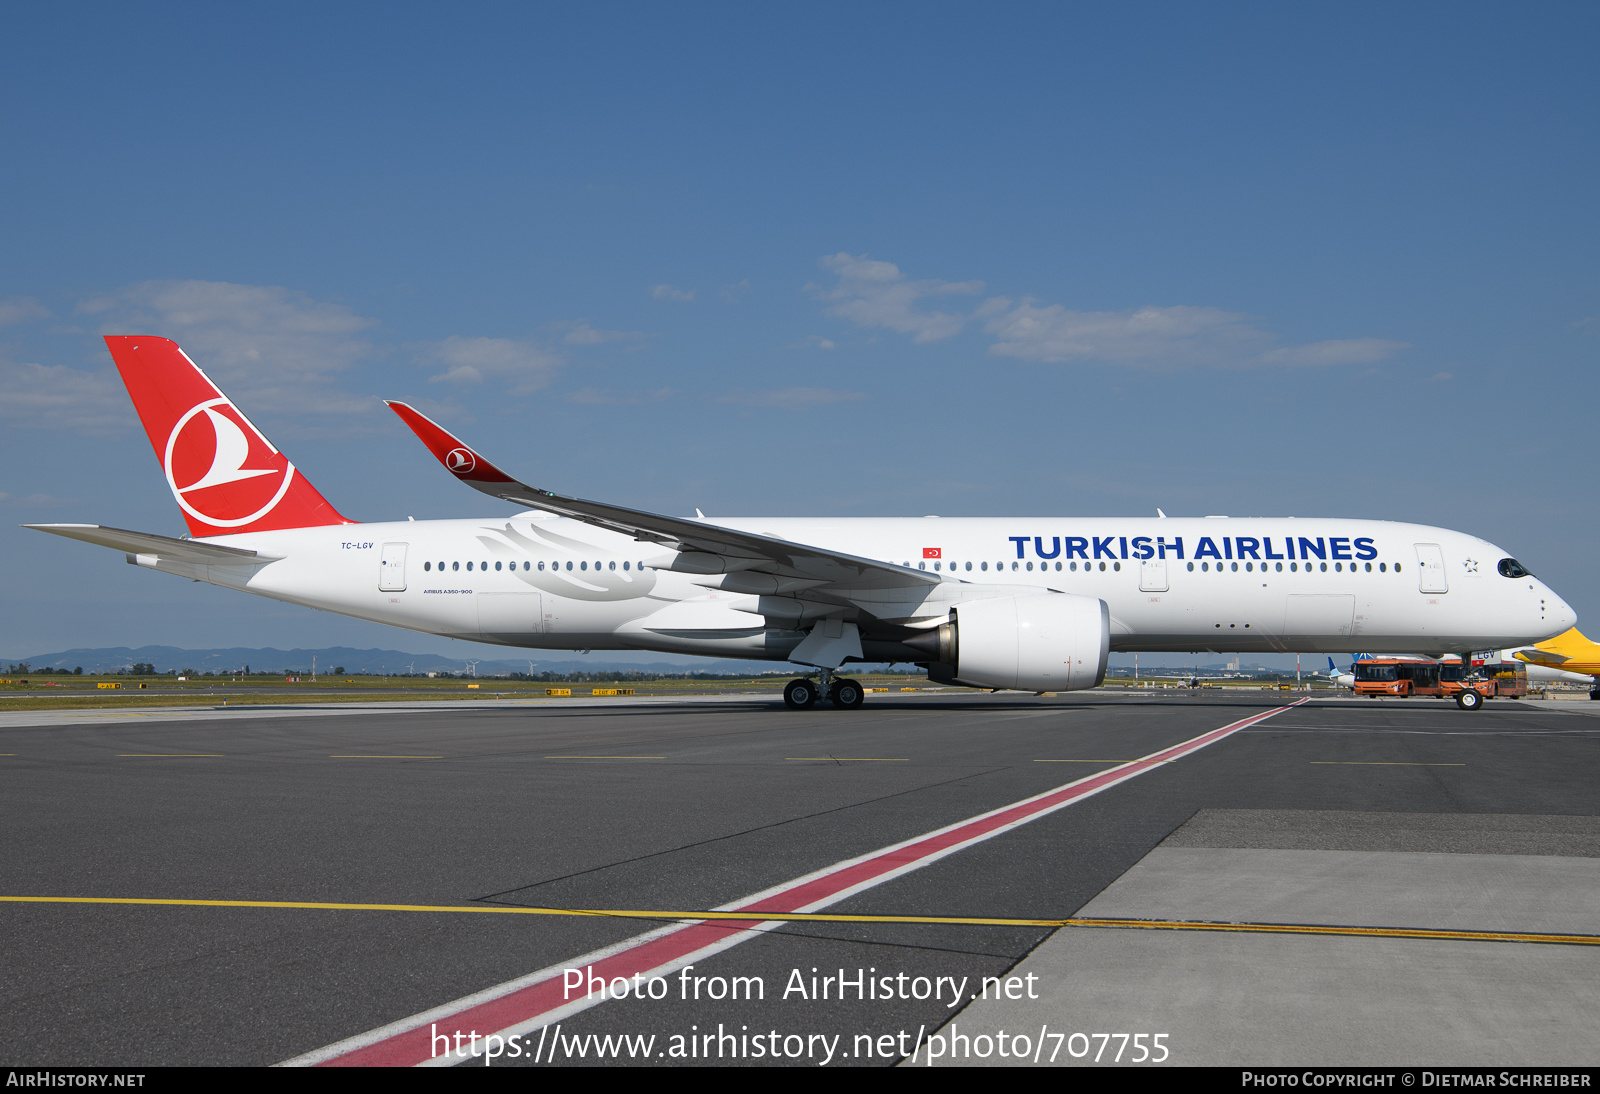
(1238, 584)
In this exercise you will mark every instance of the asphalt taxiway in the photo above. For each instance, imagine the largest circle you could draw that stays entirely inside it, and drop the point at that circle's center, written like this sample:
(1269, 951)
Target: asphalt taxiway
(1404, 820)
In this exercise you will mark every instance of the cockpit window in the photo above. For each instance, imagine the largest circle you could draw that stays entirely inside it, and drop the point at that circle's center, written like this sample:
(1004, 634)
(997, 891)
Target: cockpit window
(1510, 567)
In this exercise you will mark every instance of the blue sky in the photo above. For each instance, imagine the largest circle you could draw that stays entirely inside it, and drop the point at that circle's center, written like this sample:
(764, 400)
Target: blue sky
(856, 260)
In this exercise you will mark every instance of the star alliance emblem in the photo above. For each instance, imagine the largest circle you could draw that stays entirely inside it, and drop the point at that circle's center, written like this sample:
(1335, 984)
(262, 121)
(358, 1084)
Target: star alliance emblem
(1471, 565)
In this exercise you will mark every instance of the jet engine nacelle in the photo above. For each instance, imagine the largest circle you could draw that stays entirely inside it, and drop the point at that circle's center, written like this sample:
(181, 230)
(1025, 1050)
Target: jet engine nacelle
(1052, 642)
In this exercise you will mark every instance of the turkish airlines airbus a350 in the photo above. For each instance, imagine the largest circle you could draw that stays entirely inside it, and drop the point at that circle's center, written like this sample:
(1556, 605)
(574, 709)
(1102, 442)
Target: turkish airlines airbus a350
(1034, 603)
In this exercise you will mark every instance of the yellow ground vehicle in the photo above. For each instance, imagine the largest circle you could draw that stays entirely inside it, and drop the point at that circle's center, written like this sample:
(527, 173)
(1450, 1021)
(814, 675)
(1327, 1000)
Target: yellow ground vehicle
(1403, 677)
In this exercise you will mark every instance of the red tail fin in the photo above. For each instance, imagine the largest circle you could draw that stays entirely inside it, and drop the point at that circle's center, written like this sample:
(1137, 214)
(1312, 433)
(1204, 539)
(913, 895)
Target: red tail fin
(225, 475)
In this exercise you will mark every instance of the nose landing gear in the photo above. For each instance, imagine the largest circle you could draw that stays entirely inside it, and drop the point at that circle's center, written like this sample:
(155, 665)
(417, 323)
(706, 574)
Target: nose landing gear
(1469, 699)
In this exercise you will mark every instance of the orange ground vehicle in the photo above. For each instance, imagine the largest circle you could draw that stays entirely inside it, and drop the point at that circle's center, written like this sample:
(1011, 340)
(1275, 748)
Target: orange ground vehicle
(1491, 680)
(1399, 676)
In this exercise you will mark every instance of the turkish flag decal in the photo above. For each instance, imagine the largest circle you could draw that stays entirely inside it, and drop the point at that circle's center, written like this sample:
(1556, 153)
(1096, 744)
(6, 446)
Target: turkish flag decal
(931, 552)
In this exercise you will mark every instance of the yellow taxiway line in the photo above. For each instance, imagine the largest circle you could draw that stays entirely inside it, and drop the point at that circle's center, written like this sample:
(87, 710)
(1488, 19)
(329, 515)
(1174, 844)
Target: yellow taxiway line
(755, 915)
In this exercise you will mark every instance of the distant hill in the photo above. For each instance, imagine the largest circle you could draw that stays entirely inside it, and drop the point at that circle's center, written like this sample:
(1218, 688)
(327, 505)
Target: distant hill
(164, 658)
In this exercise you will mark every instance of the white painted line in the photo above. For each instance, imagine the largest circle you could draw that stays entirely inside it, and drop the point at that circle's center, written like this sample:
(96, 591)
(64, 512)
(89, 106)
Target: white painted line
(540, 998)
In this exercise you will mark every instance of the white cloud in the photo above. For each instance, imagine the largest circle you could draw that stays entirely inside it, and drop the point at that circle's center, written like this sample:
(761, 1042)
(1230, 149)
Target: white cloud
(871, 293)
(815, 340)
(20, 309)
(1160, 338)
(527, 366)
(57, 397)
(1172, 337)
(667, 292)
(792, 398)
(582, 334)
(33, 501)
(1339, 351)
(273, 350)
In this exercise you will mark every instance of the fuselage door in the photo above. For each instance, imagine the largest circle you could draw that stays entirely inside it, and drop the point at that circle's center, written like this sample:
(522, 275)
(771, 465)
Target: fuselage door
(1430, 567)
(392, 568)
(1153, 575)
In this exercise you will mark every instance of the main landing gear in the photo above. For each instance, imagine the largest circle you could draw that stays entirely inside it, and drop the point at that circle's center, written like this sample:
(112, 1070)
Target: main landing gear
(843, 693)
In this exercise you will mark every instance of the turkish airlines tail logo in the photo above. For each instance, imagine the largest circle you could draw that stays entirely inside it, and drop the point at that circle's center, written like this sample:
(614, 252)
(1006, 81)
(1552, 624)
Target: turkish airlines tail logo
(226, 476)
(211, 439)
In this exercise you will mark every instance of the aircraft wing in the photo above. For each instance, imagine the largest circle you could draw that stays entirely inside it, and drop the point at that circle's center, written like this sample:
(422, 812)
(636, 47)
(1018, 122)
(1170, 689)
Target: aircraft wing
(724, 550)
(1537, 656)
(148, 543)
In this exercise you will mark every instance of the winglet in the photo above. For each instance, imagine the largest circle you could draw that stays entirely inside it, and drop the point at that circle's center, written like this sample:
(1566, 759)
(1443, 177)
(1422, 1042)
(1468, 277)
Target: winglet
(458, 458)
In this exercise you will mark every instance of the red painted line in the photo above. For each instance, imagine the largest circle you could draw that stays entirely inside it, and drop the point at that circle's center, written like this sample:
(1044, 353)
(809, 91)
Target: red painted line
(522, 1005)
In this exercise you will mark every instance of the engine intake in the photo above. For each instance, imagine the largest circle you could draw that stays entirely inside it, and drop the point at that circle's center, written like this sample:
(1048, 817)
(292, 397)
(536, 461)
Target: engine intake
(1051, 642)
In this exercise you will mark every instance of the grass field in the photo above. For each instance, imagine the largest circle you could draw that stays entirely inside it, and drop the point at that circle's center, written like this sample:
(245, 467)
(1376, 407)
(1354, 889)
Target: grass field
(73, 692)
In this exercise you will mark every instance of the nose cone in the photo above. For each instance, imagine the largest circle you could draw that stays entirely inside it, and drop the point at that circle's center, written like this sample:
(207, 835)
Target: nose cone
(1558, 613)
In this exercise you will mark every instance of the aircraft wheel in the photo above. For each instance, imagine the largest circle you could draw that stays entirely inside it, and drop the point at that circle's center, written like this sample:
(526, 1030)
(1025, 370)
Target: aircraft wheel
(800, 694)
(846, 694)
(1469, 700)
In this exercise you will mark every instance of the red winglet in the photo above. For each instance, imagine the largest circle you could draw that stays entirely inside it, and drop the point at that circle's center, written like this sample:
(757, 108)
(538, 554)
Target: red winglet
(458, 458)
(226, 476)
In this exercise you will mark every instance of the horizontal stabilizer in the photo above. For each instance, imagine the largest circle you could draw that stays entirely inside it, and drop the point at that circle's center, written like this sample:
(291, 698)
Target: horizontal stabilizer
(148, 543)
